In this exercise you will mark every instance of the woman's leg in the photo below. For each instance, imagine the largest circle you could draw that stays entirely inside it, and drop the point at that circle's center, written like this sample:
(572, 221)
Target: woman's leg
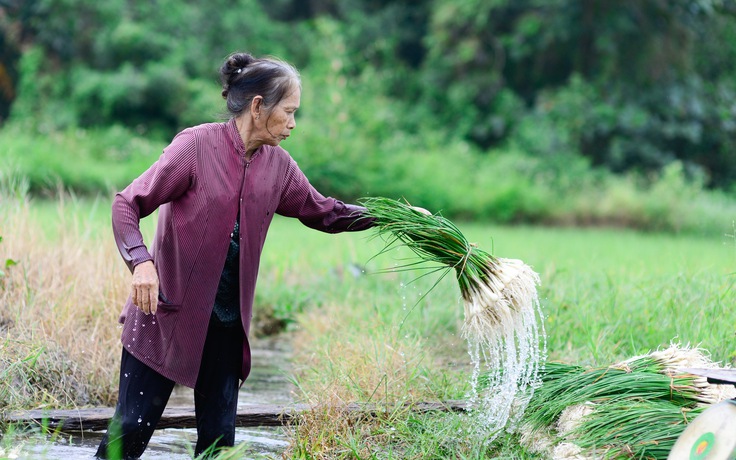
(216, 391)
(142, 398)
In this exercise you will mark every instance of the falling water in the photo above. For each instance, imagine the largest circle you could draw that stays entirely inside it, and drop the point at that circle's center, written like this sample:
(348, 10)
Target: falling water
(506, 357)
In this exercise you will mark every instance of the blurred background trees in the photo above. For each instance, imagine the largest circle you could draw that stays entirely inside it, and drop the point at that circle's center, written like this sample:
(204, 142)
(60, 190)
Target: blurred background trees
(629, 86)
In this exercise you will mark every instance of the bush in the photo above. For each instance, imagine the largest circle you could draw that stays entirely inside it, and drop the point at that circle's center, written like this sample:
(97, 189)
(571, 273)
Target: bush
(641, 131)
(87, 161)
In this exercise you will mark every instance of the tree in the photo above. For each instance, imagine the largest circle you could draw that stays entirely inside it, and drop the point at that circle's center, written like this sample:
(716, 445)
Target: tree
(492, 61)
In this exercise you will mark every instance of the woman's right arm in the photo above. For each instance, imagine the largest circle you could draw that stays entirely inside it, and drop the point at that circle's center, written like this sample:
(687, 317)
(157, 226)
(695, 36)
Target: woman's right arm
(166, 180)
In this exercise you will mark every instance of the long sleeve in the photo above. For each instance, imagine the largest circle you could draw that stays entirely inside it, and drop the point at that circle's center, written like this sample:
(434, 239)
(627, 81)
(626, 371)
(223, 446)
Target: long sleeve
(167, 179)
(299, 199)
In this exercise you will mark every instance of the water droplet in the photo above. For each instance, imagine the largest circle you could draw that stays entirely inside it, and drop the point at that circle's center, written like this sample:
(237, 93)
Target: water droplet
(140, 420)
(148, 423)
(141, 393)
(126, 374)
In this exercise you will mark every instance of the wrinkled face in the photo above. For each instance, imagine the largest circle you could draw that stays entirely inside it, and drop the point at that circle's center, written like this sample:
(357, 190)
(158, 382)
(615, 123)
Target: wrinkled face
(280, 120)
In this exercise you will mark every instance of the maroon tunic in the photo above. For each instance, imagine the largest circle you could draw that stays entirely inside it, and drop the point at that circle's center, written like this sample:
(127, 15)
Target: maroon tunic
(198, 184)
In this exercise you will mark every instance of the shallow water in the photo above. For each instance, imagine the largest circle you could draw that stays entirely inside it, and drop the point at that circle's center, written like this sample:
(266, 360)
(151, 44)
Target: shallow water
(266, 442)
(268, 383)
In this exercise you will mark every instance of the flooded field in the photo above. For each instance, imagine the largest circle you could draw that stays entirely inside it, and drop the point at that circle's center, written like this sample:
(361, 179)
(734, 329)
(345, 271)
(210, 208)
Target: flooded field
(268, 383)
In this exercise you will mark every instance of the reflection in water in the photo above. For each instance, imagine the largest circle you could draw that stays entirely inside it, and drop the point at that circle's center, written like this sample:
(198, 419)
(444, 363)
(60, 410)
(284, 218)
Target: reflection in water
(268, 383)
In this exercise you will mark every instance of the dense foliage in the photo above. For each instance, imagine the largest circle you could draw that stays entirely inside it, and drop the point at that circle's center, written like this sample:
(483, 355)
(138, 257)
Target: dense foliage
(402, 92)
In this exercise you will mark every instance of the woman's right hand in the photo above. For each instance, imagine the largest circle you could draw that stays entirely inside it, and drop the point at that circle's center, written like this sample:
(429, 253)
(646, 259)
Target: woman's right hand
(144, 292)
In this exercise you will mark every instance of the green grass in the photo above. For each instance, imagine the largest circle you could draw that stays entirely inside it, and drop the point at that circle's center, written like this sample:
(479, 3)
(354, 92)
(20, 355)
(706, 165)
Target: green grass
(363, 335)
(606, 294)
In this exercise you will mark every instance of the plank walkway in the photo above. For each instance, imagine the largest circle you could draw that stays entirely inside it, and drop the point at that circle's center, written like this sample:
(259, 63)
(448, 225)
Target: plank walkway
(97, 419)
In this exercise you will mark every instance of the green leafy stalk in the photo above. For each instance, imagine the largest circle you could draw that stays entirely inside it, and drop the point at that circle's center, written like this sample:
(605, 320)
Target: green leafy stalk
(643, 378)
(433, 238)
(634, 428)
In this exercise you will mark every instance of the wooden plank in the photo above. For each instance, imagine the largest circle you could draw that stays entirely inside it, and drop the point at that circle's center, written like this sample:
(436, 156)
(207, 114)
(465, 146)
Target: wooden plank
(97, 419)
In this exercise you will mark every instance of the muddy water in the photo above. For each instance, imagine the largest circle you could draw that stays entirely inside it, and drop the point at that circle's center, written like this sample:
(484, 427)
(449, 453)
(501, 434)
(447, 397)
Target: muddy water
(268, 383)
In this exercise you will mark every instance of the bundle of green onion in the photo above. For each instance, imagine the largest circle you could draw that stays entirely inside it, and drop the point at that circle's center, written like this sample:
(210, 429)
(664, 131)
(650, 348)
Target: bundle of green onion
(494, 290)
(499, 298)
(634, 409)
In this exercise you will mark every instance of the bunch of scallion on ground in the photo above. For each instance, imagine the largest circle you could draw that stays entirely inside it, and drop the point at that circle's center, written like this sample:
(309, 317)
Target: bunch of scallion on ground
(502, 313)
(634, 409)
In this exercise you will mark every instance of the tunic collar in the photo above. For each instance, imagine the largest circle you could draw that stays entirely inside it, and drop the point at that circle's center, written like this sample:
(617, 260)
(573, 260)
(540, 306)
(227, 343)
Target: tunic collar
(235, 139)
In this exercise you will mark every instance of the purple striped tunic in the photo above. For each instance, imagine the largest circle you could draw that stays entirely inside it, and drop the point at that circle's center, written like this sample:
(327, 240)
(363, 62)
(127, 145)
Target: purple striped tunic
(198, 184)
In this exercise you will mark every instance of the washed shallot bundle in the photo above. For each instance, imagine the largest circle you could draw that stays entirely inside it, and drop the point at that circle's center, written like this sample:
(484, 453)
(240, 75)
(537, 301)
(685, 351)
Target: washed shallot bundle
(502, 313)
(633, 409)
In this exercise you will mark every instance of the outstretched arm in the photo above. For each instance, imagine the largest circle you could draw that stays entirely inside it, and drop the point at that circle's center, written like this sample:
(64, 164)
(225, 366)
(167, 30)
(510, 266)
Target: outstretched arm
(299, 199)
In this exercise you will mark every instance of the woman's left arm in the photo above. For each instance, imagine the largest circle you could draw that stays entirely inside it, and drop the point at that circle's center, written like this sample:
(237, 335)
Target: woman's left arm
(299, 199)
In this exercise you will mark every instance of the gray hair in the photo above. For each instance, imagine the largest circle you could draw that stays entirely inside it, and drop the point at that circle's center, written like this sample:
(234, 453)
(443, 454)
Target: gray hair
(244, 77)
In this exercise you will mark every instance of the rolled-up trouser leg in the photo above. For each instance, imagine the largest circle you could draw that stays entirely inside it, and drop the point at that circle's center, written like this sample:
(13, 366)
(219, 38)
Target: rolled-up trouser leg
(216, 391)
(142, 398)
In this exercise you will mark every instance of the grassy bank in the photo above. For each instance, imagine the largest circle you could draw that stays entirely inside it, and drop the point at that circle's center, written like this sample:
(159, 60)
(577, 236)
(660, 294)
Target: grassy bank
(360, 335)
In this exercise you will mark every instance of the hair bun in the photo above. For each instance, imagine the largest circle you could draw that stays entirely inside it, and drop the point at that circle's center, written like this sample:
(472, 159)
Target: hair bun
(232, 68)
(238, 61)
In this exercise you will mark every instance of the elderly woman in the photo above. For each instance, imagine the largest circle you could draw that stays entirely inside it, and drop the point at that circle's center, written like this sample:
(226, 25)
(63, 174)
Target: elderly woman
(217, 187)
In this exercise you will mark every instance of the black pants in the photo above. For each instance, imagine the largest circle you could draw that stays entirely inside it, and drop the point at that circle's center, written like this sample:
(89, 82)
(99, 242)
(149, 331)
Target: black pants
(143, 395)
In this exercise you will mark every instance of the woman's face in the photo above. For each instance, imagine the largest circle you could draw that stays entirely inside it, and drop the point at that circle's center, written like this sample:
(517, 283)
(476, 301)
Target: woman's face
(278, 124)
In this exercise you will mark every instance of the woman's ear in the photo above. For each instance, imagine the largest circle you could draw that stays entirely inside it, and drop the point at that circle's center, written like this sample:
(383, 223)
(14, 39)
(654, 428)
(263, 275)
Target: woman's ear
(256, 106)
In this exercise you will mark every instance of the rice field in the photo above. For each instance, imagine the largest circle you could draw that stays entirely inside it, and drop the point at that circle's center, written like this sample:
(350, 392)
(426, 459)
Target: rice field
(361, 331)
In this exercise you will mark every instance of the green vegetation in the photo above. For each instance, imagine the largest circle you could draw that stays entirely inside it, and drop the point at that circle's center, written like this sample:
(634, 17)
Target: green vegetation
(360, 335)
(506, 187)
(87, 161)
(628, 85)
(607, 296)
(563, 113)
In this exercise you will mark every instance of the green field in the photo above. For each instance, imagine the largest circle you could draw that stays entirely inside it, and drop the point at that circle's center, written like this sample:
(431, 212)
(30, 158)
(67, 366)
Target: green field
(606, 294)
(360, 331)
